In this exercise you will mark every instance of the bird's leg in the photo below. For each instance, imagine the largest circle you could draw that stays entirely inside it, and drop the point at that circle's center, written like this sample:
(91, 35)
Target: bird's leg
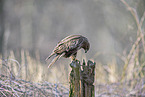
(73, 57)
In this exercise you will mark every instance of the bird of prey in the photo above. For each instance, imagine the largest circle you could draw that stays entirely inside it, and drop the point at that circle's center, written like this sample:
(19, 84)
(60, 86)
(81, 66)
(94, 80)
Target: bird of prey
(68, 47)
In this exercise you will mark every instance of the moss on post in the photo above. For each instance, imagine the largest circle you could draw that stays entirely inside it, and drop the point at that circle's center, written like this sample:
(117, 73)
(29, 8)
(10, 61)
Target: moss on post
(82, 79)
(75, 79)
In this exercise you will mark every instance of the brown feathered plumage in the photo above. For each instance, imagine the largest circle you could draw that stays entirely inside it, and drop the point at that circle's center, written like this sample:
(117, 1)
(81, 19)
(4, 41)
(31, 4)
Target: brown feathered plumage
(68, 47)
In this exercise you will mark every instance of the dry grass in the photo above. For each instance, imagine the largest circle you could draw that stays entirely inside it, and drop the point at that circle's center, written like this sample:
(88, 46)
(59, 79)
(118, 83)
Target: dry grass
(18, 87)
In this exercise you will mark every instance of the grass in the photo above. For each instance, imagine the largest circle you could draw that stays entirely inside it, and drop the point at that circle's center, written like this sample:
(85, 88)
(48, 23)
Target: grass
(28, 78)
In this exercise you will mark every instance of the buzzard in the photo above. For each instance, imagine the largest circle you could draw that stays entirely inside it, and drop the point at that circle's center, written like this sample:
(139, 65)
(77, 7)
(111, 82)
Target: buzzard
(68, 47)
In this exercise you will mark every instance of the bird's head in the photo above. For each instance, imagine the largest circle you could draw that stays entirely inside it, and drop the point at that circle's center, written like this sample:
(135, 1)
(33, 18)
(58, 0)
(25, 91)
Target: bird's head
(86, 46)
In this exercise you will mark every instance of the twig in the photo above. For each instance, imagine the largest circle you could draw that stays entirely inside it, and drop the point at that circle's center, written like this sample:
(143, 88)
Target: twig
(139, 34)
(139, 23)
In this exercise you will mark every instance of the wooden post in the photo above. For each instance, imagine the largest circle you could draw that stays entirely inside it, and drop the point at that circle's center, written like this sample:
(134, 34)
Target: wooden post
(75, 79)
(82, 79)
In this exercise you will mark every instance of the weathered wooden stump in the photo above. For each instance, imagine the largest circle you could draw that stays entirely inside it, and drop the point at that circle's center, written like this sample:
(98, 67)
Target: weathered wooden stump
(82, 79)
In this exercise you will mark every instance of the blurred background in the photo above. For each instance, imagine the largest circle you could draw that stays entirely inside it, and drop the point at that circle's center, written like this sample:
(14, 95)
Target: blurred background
(30, 29)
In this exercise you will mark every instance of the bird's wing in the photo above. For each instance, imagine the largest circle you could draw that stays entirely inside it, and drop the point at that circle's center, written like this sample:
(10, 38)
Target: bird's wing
(69, 38)
(59, 49)
(71, 44)
(80, 42)
(75, 43)
(67, 43)
(55, 59)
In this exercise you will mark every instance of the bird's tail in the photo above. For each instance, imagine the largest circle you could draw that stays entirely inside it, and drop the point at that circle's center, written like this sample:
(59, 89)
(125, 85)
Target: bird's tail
(50, 56)
(55, 59)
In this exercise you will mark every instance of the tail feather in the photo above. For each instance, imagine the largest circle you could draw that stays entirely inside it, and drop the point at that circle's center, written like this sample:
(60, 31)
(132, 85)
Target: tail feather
(50, 56)
(55, 59)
